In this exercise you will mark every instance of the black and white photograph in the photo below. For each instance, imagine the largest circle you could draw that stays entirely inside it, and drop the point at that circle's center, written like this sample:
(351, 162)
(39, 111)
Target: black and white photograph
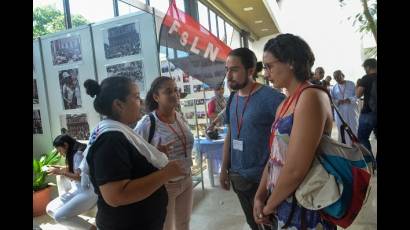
(76, 125)
(37, 126)
(187, 103)
(133, 70)
(189, 115)
(199, 101)
(121, 41)
(66, 50)
(35, 92)
(197, 88)
(70, 88)
(200, 114)
(187, 89)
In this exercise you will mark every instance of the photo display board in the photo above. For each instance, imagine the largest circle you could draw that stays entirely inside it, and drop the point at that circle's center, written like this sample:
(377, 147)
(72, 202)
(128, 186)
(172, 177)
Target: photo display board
(126, 46)
(69, 62)
(41, 119)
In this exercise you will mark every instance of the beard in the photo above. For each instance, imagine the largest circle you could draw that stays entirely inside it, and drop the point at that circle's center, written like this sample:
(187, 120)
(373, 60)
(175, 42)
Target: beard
(236, 86)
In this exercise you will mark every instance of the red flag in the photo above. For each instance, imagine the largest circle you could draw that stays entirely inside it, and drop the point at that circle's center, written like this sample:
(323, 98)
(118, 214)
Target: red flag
(205, 54)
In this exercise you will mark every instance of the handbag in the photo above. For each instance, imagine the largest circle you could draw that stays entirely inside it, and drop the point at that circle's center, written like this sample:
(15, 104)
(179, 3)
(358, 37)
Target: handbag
(337, 183)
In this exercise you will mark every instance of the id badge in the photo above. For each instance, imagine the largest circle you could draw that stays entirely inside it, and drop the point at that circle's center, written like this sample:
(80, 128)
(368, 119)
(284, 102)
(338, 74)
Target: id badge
(237, 145)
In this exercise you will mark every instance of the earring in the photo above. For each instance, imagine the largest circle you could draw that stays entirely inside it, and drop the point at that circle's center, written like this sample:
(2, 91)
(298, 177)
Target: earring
(291, 67)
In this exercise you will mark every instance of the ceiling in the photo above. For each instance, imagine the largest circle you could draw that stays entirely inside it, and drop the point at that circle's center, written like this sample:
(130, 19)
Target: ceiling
(234, 11)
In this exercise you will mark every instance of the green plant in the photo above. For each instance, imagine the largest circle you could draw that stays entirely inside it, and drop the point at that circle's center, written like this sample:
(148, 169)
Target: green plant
(39, 175)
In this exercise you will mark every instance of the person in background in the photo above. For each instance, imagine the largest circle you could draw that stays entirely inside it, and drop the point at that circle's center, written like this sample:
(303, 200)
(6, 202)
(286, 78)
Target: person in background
(216, 105)
(344, 97)
(368, 116)
(326, 83)
(81, 198)
(128, 174)
(318, 76)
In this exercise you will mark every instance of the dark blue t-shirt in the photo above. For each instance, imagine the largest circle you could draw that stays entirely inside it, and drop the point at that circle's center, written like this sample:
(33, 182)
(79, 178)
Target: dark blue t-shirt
(257, 120)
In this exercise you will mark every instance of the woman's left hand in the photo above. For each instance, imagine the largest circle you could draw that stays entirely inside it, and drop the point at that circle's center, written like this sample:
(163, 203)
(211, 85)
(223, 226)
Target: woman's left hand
(54, 171)
(267, 211)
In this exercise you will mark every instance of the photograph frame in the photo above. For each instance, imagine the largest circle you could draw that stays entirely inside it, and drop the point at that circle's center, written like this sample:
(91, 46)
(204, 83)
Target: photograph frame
(66, 50)
(70, 89)
(131, 69)
(76, 124)
(121, 41)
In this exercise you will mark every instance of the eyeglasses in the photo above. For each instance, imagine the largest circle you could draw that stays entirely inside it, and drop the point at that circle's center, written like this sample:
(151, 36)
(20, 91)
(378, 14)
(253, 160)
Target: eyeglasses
(268, 66)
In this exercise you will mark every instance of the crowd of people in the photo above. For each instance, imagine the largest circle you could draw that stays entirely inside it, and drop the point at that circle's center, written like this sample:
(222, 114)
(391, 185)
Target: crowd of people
(66, 50)
(126, 49)
(132, 70)
(141, 174)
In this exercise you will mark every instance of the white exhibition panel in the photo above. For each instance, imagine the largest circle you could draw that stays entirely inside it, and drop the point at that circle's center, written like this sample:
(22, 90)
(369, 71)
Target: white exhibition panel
(127, 45)
(41, 134)
(68, 63)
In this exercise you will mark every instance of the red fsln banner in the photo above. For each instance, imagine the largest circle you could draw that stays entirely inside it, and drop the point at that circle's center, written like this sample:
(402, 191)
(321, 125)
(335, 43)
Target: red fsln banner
(203, 55)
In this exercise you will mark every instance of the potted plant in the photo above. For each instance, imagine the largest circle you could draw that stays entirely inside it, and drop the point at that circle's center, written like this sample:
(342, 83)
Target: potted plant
(41, 189)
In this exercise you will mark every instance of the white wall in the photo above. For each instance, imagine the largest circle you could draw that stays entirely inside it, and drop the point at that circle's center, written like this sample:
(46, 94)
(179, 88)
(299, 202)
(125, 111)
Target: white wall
(41, 142)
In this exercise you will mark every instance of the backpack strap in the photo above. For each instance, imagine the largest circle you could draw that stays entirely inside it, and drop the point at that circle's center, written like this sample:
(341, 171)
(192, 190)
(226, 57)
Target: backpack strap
(152, 127)
(344, 127)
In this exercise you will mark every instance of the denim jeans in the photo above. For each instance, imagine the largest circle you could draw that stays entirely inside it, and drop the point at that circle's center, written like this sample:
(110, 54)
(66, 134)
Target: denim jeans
(367, 124)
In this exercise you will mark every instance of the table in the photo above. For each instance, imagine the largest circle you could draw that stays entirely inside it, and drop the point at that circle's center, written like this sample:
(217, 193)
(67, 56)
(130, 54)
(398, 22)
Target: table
(212, 150)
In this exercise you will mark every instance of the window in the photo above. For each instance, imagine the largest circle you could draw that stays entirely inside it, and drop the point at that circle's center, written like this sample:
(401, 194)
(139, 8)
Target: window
(181, 54)
(221, 29)
(57, 4)
(42, 25)
(124, 8)
(170, 54)
(236, 40)
(180, 5)
(87, 9)
(229, 33)
(213, 23)
(161, 5)
(203, 15)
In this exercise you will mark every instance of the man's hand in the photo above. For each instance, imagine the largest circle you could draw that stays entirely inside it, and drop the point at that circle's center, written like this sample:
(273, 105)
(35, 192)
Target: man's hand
(224, 180)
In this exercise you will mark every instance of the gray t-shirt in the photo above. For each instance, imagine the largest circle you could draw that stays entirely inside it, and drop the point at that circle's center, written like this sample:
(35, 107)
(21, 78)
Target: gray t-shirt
(255, 131)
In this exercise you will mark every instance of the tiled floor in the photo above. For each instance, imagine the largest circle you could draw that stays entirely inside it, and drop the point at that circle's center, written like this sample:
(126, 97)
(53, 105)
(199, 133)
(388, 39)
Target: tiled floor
(215, 209)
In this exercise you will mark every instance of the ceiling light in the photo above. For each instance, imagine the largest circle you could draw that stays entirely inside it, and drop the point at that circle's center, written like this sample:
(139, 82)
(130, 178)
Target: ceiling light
(258, 21)
(264, 29)
(248, 8)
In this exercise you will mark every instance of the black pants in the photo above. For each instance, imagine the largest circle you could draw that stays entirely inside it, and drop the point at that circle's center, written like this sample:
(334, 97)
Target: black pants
(246, 190)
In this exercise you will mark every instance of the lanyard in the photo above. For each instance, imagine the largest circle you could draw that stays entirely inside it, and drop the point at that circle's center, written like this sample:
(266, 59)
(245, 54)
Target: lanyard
(282, 112)
(239, 124)
(183, 138)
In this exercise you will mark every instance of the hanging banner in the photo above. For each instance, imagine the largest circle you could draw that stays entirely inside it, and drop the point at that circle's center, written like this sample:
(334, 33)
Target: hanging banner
(198, 52)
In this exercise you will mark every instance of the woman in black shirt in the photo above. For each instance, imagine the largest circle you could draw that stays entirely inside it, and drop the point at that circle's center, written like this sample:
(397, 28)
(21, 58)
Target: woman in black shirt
(128, 174)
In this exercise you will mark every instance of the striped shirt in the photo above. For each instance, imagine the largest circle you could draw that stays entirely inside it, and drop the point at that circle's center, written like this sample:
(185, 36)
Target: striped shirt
(166, 135)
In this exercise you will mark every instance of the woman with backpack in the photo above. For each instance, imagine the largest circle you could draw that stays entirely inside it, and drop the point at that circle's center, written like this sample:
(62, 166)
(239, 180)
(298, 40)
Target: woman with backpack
(300, 122)
(165, 128)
